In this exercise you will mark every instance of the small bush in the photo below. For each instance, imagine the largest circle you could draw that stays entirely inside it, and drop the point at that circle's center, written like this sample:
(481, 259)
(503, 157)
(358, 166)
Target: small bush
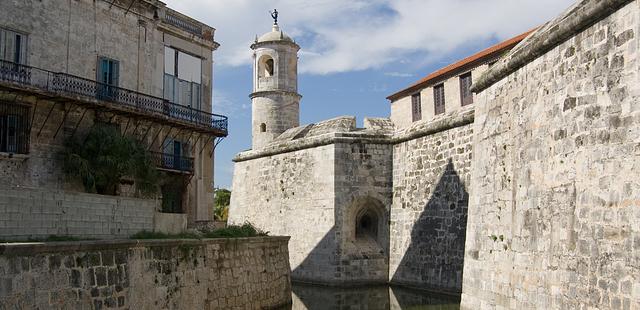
(235, 231)
(231, 231)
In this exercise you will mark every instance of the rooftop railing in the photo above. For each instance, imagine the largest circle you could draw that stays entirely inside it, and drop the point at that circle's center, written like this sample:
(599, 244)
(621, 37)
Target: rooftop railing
(70, 85)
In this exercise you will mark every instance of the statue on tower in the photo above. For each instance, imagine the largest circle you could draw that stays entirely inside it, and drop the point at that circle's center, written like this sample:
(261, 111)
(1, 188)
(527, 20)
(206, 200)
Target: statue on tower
(274, 15)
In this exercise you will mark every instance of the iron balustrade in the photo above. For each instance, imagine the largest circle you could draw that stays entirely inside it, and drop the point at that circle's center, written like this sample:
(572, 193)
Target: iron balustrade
(173, 162)
(66, 84)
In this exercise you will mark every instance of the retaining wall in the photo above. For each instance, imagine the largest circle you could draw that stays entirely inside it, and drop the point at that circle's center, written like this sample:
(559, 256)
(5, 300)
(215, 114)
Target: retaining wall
(243, 273)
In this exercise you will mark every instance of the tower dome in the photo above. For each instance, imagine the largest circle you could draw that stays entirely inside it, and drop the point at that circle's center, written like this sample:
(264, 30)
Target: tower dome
(274, 35)
(275, 102)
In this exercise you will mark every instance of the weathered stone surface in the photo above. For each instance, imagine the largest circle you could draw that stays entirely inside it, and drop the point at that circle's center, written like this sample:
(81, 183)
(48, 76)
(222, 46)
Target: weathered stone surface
(555, 199)
(39, 213)
(429, 211)
(247, 273)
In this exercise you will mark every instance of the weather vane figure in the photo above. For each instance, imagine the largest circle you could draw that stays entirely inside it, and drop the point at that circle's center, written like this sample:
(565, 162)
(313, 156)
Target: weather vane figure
(274, 15)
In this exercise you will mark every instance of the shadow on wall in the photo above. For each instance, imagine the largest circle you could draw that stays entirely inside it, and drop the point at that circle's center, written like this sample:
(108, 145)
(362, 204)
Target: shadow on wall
(435, 256)
(354, 251)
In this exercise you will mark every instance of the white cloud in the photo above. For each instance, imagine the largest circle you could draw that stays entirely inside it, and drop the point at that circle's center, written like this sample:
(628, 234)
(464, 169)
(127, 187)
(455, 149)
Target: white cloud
(340, 36)
(398, 74)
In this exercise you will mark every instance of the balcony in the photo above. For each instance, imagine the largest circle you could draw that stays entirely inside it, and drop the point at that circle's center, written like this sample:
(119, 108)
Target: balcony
(102, 96)
(173, 162)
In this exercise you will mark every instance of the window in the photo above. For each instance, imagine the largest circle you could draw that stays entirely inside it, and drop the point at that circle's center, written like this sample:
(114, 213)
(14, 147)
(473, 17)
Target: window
(466, 96)
(263, 127)
(416, 108)
(265, 66)
(182, 78)
(108, 75)
(14, 128)
(13, 46)
(438, 98)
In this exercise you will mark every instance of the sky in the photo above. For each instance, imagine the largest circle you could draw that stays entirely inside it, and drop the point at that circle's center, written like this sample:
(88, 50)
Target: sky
(354, 53)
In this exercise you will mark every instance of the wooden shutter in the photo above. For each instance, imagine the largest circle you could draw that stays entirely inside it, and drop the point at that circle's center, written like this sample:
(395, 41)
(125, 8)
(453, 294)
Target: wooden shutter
(416, 108)
(466, 97)
(438, 99)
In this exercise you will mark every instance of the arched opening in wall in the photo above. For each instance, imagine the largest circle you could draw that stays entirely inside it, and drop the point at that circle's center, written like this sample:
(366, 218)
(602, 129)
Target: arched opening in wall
(265, 66)
(367, 226)
(263, 127)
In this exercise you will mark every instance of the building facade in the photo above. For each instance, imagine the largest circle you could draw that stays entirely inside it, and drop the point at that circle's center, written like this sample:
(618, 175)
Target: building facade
(139, 66)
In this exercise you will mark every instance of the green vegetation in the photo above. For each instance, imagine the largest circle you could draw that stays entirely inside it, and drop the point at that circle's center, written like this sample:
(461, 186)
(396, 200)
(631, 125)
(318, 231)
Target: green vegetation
(232, 231)
(105, 157)
(222, 201)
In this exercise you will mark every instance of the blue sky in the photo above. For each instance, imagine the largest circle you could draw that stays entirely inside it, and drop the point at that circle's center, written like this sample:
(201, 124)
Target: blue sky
(353, 53)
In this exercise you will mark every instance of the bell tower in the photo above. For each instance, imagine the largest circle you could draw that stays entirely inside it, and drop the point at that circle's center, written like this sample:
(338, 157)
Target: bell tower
(275, 102)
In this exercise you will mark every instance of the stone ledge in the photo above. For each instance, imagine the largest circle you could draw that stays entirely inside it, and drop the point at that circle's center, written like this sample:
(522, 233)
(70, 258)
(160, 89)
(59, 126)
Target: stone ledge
(417, 131)
(27, 249)
(573, 21)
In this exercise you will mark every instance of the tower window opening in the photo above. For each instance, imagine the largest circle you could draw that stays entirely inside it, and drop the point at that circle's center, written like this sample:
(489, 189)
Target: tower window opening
(263, 127)
(265, 66)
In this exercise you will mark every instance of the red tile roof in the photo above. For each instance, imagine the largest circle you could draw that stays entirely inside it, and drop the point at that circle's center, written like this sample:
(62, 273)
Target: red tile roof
(471, 60)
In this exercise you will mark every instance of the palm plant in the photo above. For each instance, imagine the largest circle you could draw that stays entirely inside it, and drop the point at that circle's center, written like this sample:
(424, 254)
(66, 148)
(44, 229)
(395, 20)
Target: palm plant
(105, 157)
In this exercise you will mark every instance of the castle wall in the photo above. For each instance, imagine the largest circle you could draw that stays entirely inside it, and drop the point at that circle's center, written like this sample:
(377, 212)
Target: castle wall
(555, 205)
(431, 177)
(362, 180)
(291, 194)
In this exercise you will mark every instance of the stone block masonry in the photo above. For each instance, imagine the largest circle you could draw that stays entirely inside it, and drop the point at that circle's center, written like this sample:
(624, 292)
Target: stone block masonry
(38, 213)
(244, 273)
(554, 214)
(429, 210)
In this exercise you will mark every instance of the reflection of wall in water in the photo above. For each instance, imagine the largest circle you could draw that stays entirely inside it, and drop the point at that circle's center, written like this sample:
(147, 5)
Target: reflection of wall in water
(383, 297)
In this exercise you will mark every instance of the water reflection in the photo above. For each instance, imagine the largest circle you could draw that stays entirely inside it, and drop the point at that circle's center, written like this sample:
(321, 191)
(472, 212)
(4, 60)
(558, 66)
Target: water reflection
(371, 298)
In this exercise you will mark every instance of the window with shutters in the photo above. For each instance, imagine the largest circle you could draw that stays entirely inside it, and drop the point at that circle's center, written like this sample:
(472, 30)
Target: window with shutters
(438, 98)
(182, 78)
(108, 75)
(416, 107)
(466, 96)
(13, 46)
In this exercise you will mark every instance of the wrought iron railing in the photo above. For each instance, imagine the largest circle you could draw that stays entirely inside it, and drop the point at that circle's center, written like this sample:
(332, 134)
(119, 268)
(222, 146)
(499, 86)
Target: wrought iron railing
(66, 84)
(173, 162)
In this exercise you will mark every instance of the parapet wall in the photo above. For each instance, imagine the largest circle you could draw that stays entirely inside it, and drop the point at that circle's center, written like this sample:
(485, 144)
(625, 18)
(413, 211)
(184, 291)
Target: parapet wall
(555, 201)
(244, 273)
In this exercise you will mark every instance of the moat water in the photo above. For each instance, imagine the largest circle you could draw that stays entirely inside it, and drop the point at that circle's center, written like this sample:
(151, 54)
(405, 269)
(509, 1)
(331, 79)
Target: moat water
(383, 297)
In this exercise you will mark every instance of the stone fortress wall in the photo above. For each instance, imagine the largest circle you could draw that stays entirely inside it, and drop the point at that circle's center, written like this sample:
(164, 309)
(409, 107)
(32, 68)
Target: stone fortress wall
(321, 175)
(527, 199)
(243, 273)
(554, 212)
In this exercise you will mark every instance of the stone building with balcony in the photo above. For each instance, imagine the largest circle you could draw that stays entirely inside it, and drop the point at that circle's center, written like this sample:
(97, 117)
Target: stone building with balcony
(136, 65)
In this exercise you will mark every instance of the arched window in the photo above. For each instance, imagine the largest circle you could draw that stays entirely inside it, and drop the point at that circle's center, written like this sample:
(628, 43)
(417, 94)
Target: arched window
(263, 127)
(265, 66)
